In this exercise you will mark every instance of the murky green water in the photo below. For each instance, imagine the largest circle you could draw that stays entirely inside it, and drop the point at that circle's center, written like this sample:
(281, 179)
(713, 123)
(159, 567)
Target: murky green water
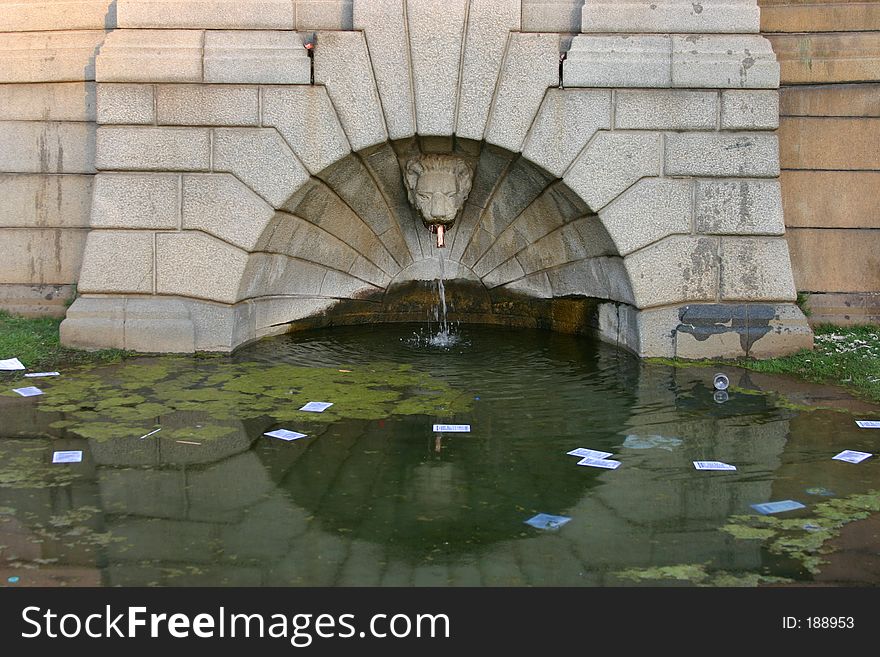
(372, 497)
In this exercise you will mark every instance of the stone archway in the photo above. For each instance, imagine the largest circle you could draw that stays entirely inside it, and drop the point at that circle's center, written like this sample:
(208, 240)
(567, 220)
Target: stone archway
(234, 197)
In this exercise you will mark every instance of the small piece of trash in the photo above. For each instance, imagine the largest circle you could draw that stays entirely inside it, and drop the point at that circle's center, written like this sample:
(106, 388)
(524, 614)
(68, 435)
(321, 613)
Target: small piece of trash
(868, 424)
(822, 492)
(12, 580)
(344, 371)
(37, 375)
(607, 464)
(547, 521)
(713, 465)
(777, 507)
(30, 391)
(147, 435)
(810, 527)
(67, 457)
(585, 453)
(188, 442)
(316, 407)
(452, 428)
(721, 382)
(284, 434)
(11, 365)
(721, 396)
(651, 442)
(851, 456)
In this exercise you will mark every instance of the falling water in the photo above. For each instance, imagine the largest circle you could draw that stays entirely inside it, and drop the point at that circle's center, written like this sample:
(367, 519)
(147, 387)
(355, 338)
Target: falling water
(444, 337)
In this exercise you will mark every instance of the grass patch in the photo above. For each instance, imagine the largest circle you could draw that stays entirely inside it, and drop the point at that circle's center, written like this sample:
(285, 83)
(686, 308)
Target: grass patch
(36, 343)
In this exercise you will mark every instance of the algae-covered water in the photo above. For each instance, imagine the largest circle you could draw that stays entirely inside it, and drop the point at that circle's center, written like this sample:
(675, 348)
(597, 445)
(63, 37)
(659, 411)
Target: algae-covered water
(373, 496)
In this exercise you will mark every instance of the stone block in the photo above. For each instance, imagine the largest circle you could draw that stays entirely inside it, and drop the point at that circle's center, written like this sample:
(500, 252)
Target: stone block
(47, 147)
(105, 250)
(739, 207)
(831, 199)
(566, 122)
(788, 332)
(147, 201)
(648, 333)
(604, 278)
(313, 131)
(260, 159)
(219, 327)
(206, 14)
(723, 62)
(218, 105)
(153, 149)
(40, 256)
(531, 66)
(753, 155)
(674, 270)
(49, 56)
(577, 240)
(132, 104)
(727, 344)
(45, 200)
(829, 143)
(835, 260)
(828, 58)
(48, 101)
(619, 61)
(756, 269)
(224, 207)
(666, 110)
(277, 311)
(342, 65)
(749, 110)
(255, 57)
(156, 325)
(611, 163)
(650, 210)
(324, 14)
(30, 300)
(551, 16)
(489, 22)
(196, 265)
(436, 31)
(94, 323)
(46, 15)
(830, 100)
(298, 238)
(844, 309)
(384, 25)
(675, 16)
(151, 56)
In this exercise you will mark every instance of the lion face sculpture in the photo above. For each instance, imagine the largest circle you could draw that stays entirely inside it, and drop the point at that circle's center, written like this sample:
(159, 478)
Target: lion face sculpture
(438, 186)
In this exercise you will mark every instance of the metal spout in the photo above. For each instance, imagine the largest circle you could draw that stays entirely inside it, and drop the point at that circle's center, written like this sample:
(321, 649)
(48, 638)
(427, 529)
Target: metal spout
(441, 230)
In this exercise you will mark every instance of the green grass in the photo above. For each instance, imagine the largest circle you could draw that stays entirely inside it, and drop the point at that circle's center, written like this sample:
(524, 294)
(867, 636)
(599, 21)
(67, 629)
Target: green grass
(35, 342)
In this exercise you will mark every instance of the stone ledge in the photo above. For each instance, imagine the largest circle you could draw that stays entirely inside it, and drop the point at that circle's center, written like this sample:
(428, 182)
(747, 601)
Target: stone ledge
(263, 57)
(207, 14)
(823, 58)
(619, 62)
(670, 16)
(46, 15)
(723, 62)
(151, 56)
(49, 56)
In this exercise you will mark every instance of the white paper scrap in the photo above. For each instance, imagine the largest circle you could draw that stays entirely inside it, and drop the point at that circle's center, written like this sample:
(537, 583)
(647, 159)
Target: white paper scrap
(585, 453)
(30, 391)
(37, 375)
(851, 456)
(11, 364)
(868, 424)
(316, 407)
(284, 434)
(67, 457)
(147, 435)
(452, 428)
(713, 465)
(600, 463)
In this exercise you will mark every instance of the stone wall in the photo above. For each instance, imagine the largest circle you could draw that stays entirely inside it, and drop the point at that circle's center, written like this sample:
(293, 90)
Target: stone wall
(829, 52)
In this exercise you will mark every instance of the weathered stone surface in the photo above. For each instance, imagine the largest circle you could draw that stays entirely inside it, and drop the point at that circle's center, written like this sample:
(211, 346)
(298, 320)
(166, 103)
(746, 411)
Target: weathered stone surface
(260, 159)
(830, 100)
(136, 201)
(650, 210)
(49, 56)
(835, 260)
(756, 269)
(38, 15)
(270, 274)
(151, 56)
(48, 101)
(611, 163)
(737, 16)
(95, 323)
(313, 130)
(158, 325)
(208, 14)
(224, 207)
(749, 110)
(531, 65)
(835, 199)
(488, 24)
(259, 57)
(105, 250)
(721, 154)
(37, 300)
(132, 104)
(666, 110)
(819, 16)
(844, 309)
(342, 65)
(566, 122)
(277, 311)
(295, 237)
(725, 62)
(551, 15)
(198, 265)
(153, 149)
(436, 30)
(221, 105)
(789, 332)
(739, 207)
(45, 200)
(47, 147)
(832, 57)
(829, 143)
(648, 333)
(578, 240)
(40, 256)
(619, 61)
(324, 14)
(712, 331)
(595, 277)
(674, 270)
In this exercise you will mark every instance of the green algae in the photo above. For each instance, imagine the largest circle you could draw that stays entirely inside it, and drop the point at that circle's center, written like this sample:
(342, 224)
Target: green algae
(699, 575)
(28, 467)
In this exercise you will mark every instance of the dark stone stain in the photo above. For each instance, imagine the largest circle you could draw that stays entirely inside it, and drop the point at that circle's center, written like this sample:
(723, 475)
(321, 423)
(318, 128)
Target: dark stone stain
(750, 321)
